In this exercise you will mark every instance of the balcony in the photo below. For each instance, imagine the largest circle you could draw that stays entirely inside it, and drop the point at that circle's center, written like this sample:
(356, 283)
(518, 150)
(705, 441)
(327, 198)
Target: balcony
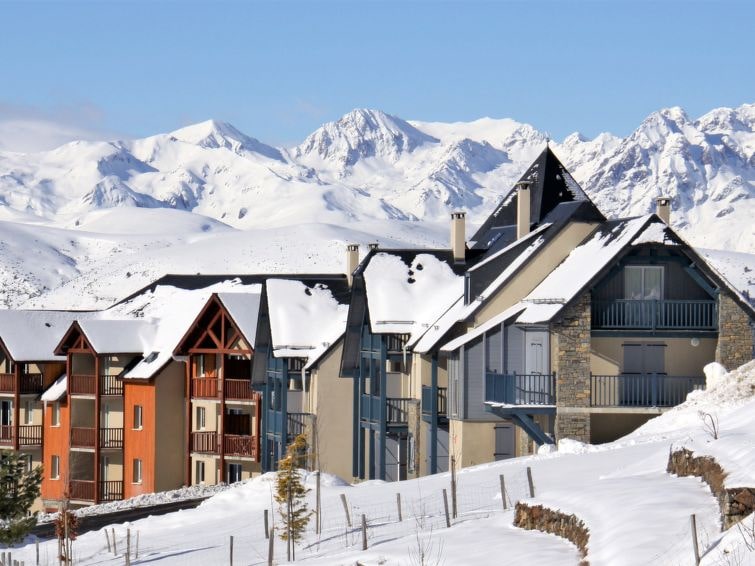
(396, 410)
(205, 442)
(31, 383)
(648, 390)
(205, 387)
(82, 437)
(441, 402)
(111, 385)
(239, 389)
(83, 384)
(520, 389)
(7, 383)
(111, 438)
(654, 315)
(233, 444)
(298, 424)
(83, 490)
(30, 435)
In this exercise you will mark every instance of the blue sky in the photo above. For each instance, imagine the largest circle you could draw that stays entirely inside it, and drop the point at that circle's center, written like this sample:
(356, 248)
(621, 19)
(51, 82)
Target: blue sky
(279, 70)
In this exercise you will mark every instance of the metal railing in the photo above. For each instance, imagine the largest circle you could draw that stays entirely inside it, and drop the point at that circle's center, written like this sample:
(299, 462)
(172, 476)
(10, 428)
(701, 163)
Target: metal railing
(520, 388)
(204, 387)
(111, 490)
(82, 437)
(83, 384)
(206, 442)
(396, 410)
(111, 385)
(642, 390)
(442, 400)
(239, 389)
(297, 424)
(649, 314)
(30, 435)
(111, 438)
(240, 445)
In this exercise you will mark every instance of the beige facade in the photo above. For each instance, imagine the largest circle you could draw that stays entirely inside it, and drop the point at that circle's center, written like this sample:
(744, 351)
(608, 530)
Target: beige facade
(684, 356)
(169, 420)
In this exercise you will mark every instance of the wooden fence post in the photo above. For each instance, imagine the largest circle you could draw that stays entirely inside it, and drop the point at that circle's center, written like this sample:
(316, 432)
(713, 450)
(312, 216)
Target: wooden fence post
(128, 547)
(398, 504)
(695, 547)
(270, 552)
(453, 486)
(115, 550)
(267, 528)
(318, 513)
(529, 480)
(346, 509)
(137, 545)
(37, 548)
(364, 532)
(445, 507)
(230, 561)
(107, 539)
(503, 491)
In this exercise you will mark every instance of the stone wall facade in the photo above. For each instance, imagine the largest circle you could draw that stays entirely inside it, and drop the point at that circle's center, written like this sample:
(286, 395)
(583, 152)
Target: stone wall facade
(571, 357)
(735, 334)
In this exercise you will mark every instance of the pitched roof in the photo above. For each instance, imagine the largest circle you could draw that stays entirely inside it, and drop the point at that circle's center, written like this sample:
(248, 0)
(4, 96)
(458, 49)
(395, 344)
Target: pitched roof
(550, 185)
(119, 336)
(31, 336)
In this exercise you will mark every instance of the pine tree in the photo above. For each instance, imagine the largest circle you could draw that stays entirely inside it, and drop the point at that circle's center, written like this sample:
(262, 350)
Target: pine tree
(290, 493)
(19, 487)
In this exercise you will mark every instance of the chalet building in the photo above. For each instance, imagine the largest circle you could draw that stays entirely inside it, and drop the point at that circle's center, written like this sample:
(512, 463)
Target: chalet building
(296, 369)
(28, 367)
(222, 412)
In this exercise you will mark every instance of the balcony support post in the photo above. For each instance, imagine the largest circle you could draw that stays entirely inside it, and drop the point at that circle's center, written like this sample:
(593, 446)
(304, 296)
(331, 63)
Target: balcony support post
(221, 425)
(188, 415)
(434, 414)
(383, 410)
(16, 404)
(96, 429)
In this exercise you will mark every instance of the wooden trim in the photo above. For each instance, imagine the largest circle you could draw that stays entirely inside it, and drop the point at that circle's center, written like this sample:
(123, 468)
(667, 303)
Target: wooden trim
(16, 403)
(97, 428)
(189, 414)
(219, 351)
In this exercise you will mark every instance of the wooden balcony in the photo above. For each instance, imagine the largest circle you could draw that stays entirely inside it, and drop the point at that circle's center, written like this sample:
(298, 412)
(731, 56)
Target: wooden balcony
(7, 383)
(205, 442)
(83, 490)
(31, 383)
(628, 314)
(520, 388)
(240, 389)
(82, 437)
(111, 385)
(233, 444)
(396, 410)
(6, 435)
(30, 435)
(642, 390)
(111, 438)
(204, 387)
(83, 384)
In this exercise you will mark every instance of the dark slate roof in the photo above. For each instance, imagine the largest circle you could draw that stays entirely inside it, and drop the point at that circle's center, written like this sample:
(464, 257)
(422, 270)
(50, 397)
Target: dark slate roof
(551, 185)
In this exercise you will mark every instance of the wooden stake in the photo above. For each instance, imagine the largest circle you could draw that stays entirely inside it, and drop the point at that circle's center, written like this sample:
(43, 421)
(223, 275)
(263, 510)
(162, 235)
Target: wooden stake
(529, 479)
(137, 545)
(364, 532)
(453, 485)
(230, 560)
(398, 504)
(128, 547)
(318, 511)
(270, 548)
(346, 508)
(36, 543)
(267, 528)
(107, 539)
(115, 550)
(503, 491)
(695, 547)
(445, 507)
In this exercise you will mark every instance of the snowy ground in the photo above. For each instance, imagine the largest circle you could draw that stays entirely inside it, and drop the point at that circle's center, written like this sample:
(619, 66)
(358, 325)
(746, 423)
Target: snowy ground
(636, 513)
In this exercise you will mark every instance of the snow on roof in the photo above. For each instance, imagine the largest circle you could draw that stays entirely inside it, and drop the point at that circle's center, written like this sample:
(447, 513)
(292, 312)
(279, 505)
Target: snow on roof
(737, 268)
(173, 309)
(656, 233)
(244, 309)
(31, 336)
(480, 330)
(56, 390)
(579, 268)
(513, 244)
(304, 321)
(406, 299)
(119, 336)
(436, 331)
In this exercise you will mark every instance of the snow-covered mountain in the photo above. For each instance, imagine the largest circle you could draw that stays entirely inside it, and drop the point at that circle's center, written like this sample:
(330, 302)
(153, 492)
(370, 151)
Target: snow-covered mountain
(368, 170)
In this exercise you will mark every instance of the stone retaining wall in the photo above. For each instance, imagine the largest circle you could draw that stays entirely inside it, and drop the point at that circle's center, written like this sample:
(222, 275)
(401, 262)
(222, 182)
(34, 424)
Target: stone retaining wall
(735, 503)
(570, 527)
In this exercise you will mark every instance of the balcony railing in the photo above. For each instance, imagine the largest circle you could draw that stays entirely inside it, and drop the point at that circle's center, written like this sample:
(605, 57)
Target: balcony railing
(7, 383)
(111, 438)
(30, 383)
(239, 389)
(642, 390)
(652, 315)
(82, 384)
(82, 437)
(240, 445)
(297, 424)
(111, 385)
(83, 490)
(427, 399)
(6, 434)
(205, 442)
(396, 413)
(204, 387)
(30, 435)
(520, 388)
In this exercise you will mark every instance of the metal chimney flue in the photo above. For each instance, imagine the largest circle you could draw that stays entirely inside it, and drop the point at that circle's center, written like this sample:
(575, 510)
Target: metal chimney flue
(352, 261)
(663, 209)
(458, 236)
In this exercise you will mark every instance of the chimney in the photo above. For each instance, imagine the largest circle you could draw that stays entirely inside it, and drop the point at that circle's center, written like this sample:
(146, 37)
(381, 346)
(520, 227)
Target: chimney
(458, 236)
(523, 209)
(663, 209)
(373, 246)
(352, 260)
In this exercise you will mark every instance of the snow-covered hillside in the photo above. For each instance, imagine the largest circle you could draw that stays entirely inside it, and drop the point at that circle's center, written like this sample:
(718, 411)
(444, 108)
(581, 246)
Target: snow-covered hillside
(88, 222)
(636, 513)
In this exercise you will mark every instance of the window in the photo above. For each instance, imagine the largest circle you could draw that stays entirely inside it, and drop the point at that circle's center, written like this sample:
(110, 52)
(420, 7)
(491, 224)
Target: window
(56, 414)
(137, 417)
(137, 470)
(200, 420)
(28, 413)
(54, 467)
(199, 472)
(643, 282)
(234, 473)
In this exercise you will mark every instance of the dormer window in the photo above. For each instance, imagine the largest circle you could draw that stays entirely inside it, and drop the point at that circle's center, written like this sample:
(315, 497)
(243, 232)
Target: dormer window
(643, 282)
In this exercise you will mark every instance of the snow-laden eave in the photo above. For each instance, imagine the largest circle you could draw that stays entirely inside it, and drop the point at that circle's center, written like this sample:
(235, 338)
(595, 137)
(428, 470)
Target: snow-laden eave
(497, 320)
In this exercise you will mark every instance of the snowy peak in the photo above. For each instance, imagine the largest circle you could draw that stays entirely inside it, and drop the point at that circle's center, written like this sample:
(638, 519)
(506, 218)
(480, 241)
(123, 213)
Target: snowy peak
(214, 134)
(362, 134)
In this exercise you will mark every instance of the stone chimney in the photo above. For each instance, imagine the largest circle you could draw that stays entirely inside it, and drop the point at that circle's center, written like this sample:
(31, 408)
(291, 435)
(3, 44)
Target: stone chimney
(373, 246)
(663, 209)
(352, 260)
(458, 236)
(522, 209)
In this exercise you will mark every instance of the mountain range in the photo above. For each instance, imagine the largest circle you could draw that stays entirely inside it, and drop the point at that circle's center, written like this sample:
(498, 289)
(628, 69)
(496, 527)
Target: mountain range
(362, 170)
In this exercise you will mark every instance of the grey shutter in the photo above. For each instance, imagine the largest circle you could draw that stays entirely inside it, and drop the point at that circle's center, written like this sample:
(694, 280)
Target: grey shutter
(515, 350)
(494, 346)
(632, 358)
(474, 379)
